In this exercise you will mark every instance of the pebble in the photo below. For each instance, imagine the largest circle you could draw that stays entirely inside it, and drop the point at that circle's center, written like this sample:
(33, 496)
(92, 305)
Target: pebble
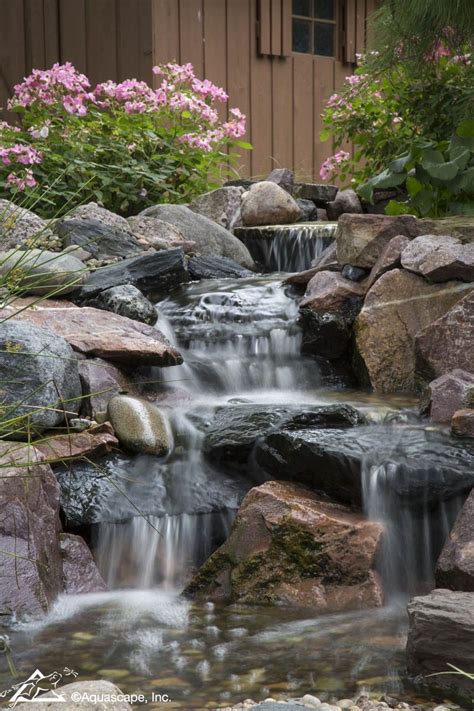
(311, 701)
(345, 704)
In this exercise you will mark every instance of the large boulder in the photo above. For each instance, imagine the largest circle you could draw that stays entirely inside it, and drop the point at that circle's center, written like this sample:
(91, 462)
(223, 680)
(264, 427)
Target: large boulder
(39, 378)
(222, 206)
(285, 178)
(441, 631)
(21, 227)
(455, 566)
(390, 258)
(447, 343)
(126, 300)
(85, 695)
(80, 574)
(362, 238)
(462, 423)
(98, 333)
(397, 308)
(288, 547)
(31, 565)
(93, 211)
(327, 312)
(211, 239)
(40, 272)
(448, 393)
(139, 425)
(439, 258)
(268, 204)
(96, 441)
(103, 241)
(153, 274)
(346, 201)
(158, 234)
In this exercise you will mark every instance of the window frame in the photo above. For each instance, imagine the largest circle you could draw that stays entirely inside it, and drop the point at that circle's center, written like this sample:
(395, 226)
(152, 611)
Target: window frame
(338, 31)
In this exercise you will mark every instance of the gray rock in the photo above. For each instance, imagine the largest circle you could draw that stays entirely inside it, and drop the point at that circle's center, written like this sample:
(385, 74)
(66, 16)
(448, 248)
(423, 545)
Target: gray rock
(49, 385)
(268, 204)
(455, 566)
(321, 214)
(93, 211)
(345, 201)
(126, 300)
(441, 630)
(89, 689)
(361, 239)
(80, 574)
(100, 381)
(18, 226)
(308, 209)
(40, 272)
(216, 268)
(284, 178)
(448, 393)
(211, 239)
(158, 234)
(389, 258)
(439, 258)
(139, 425)
(353, 273)
(102, 240)
(222, 206)
(320, 193)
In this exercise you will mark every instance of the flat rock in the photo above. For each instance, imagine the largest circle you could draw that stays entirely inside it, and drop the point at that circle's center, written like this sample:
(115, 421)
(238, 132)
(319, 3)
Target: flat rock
(80, 573)
(211, 239)
(266, 203)
(455, 566)
(448, 393)
(462, 423)
(287, 547)
(153, 274)
(96, 441)
(102, 240)
(390, 258)
(361, 239)
(158, 234)
(99, 333)
(439, 258)
(139, 425)
(397, 308)
(40, 272)
(126, 300)
(320, 193)
(447, 343)
(216, 268)
(19, 226)
(441, 630)
(222, 206)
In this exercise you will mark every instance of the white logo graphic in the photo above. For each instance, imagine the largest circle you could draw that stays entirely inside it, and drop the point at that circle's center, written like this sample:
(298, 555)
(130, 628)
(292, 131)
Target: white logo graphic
(38, 683)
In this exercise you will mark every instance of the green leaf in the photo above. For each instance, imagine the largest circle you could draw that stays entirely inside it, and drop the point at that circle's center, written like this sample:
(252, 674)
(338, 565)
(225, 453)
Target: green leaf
(387, 179)
(244, 144)
(398, 208)
(466, 129)
(413, 186)
(324, 134)
(442, 171)
(429, 156)
(399, 164)
(461, 208)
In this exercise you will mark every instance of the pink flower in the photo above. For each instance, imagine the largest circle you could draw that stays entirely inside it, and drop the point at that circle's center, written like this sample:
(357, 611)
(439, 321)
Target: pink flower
(329, 166)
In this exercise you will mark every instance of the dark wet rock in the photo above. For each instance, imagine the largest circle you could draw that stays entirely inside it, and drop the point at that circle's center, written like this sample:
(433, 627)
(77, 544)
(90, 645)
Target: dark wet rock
(318, 193)
(268, 204)
(462, 423)
(324, 334)
(362, 238)
(424, 467)
(49, 386)
(439, 258)
(288, 547)
(40, 272)
(455, 566)
(21, 227)
(307, 208)
(103, 241)
(157, 234)
(211, 239)
(396, 309)
(80, 573)
(390, 258)
(346, 201)
(353, 273)
(448, 393)
(139, 425)
(126, 300)
(222, 206)
(283, 177)
(216, 268)
(153, 274)
(441, 630)
(233, 432)
(31, 566)
(448, 342)
(93, 332)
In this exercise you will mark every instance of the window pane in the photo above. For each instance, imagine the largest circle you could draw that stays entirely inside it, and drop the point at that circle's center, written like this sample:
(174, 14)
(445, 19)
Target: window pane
(302, 36)
(302, 7)
(324, 9)
(324, 39)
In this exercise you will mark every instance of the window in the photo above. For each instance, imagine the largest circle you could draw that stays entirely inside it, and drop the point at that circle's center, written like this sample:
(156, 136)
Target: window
(314, 27)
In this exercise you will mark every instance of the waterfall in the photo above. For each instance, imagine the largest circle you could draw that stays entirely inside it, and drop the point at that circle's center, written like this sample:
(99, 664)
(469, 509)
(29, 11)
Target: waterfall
(287, 248)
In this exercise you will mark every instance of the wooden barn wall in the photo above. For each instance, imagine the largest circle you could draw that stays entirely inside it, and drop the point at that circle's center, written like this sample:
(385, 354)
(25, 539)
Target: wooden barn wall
(105, 39)
(282, 96)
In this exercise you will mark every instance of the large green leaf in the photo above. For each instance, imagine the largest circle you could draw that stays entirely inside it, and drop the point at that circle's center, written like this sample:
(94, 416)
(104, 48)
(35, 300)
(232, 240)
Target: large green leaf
(442, 171)
(466, 129)
(399, 164)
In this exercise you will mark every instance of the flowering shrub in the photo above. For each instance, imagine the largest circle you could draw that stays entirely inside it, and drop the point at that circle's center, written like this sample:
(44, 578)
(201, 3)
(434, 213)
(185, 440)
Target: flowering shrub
(383, 109)
(125, 143)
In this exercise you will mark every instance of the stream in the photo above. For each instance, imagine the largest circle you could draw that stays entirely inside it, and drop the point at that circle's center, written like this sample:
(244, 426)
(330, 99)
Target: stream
(241, 344)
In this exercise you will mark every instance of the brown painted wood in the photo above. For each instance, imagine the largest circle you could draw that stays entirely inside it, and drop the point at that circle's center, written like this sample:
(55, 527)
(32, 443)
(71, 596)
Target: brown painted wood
(215, 43)
(145, 40)
(238, 63)
(350, 24)
(282, 99)
(276, 28)
(165, 21)
(72, 25)
(360, 26)
(191, 34)
(371, 7)
(303, 113)
(51, 36)
(286, 30)
(12, 50)
(101, 38)
(323, 89)
(261, 111)
(341, 71)
(34, 33)
(264, 27)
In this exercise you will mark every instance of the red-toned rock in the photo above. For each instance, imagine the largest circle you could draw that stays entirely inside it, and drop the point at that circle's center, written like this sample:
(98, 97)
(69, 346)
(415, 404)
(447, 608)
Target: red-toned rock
(100, 333)
(93, 442)
(388, 259)
(288, 547)
(361, 239)
(100, 382)
(455, 566)
(439, 258)
(448, 393)
(330, 292)
(448, 342)
(462, 423)
(80, 573)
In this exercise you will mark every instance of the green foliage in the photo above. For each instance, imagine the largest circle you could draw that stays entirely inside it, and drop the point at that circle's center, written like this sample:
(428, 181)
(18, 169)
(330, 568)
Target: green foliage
(437, 177)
